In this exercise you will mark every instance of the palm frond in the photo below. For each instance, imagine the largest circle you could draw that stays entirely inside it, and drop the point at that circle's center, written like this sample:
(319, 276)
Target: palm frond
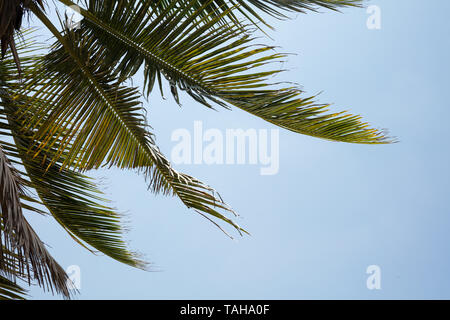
(72, 111)
(86, 118)
(17, 236)
(75, 202)
(220, 65)
(9, 290)
(252, 10)
(72, 198)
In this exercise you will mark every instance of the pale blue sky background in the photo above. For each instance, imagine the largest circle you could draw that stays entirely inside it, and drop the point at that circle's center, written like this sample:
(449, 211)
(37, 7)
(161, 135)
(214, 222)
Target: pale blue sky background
(334, 208)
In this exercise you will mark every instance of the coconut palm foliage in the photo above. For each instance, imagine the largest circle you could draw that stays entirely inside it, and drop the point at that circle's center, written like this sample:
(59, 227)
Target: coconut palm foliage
(252, 9)
(68, 107)
(69, 196)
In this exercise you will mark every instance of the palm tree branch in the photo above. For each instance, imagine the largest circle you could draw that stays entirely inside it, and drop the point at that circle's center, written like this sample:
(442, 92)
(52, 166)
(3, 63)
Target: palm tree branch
(109, 130)
(209, 66)
(252, 9)
(71, 197)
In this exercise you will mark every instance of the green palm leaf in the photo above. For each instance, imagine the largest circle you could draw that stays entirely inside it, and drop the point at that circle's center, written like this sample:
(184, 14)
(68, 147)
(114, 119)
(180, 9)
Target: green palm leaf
(86, 118)
(71, 198)
(226, 70)
(251, 8)
(72, 110)
(21, 250)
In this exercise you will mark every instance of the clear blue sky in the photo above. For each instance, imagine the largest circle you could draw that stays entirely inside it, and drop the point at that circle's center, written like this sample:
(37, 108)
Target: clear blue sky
(333, 209)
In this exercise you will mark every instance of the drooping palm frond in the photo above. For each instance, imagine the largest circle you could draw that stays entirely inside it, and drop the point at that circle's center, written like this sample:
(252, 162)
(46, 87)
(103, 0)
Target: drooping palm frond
(229, 70)
(73, 102)
(73, 111)
(70, 197)
(18, 237)
(75, 202)
(273, 6)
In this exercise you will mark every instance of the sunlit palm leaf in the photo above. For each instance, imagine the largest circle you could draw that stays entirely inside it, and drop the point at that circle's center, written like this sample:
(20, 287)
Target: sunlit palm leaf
(12, 14)
(219, 65)
(72, 198)
(73, 110)
(91, 119)
(74, 201)
(251, 9)
(18, 237)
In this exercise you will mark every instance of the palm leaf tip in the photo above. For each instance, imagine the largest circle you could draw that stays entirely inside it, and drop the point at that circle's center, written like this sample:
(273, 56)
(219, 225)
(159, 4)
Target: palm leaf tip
(276, 7)
(253, 10)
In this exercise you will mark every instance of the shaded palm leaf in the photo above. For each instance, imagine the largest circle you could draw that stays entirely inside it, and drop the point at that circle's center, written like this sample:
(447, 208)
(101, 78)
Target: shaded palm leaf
(11, 16)
(19, 241)
(20, 238)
